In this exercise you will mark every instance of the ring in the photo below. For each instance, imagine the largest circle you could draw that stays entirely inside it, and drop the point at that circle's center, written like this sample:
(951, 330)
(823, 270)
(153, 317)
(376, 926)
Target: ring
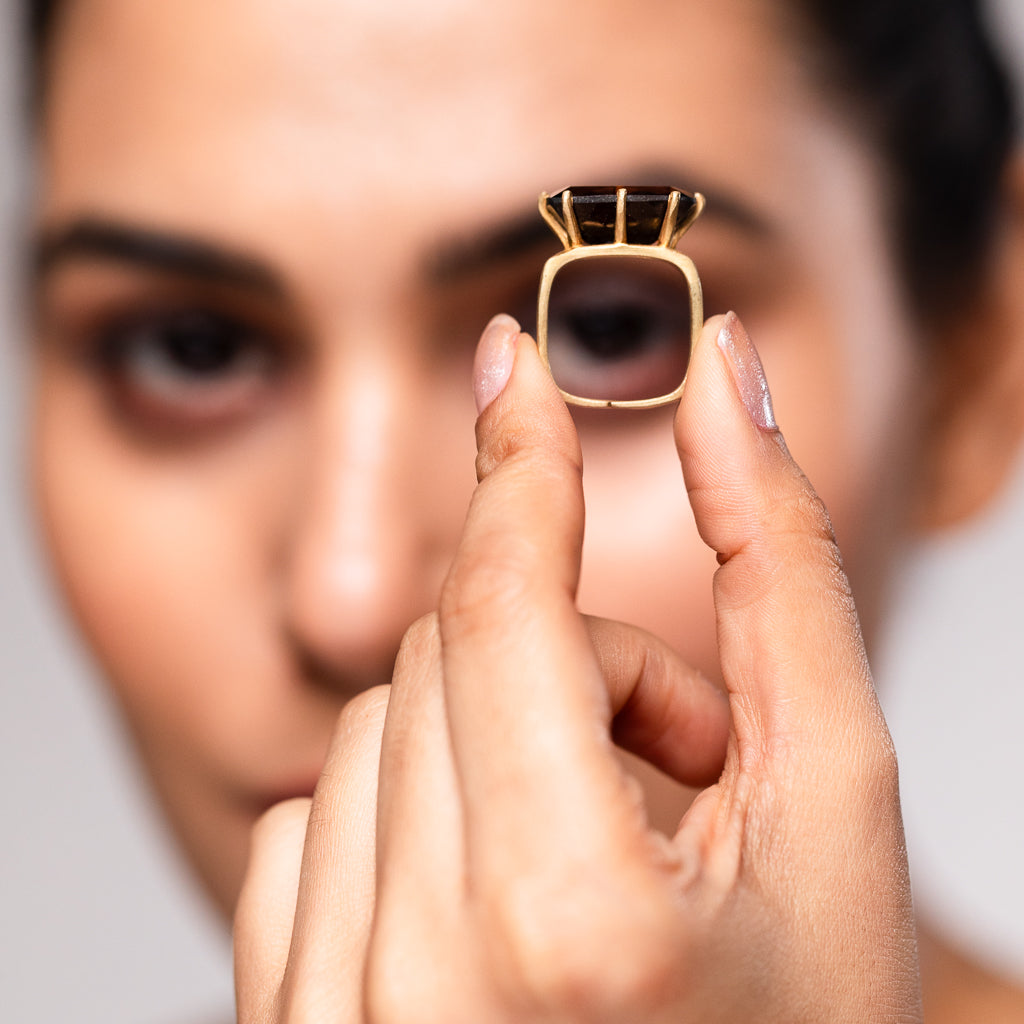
(596, 222)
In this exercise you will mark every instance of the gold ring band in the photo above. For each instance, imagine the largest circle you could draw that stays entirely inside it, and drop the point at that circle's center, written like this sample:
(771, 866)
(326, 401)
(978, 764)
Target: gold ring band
(594, 222)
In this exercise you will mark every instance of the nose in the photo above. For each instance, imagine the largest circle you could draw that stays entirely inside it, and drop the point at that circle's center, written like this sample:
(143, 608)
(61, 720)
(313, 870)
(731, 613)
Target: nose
(387, 472)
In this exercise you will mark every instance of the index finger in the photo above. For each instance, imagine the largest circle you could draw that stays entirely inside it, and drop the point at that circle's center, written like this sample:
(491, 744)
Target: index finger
(527, 704)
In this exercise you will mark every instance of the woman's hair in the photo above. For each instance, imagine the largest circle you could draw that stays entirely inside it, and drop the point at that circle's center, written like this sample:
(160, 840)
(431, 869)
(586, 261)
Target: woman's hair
(923, 81)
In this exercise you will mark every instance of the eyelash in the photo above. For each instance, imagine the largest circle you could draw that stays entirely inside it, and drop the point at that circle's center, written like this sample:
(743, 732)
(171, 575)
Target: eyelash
(184, 369)
(189, 366)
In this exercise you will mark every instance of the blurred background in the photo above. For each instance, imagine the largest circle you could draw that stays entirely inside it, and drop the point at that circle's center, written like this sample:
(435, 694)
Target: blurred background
(98, 915)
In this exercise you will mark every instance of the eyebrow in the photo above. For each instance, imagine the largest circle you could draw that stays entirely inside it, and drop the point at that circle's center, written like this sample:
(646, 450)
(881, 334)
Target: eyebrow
(95, 238)
(521, 234)
(103, 239)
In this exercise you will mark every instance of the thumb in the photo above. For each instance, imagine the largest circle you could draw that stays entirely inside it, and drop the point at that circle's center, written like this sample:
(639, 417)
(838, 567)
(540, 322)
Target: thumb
(790, 643)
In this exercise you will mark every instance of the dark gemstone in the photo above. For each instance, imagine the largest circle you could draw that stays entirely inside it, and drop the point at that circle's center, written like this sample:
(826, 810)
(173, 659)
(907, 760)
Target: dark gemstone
(646, 205)
(594, 207)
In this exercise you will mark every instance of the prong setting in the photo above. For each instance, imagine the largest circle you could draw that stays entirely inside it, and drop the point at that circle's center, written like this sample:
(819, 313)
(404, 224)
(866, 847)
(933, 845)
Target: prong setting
(572, 226)
(620, 215)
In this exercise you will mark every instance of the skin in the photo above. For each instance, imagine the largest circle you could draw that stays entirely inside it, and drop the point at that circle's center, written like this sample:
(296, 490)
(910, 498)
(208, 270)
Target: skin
(245, 562)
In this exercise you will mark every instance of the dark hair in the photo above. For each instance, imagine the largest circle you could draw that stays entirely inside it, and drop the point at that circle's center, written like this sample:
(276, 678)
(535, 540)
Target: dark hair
(38, 22)
(922, 79)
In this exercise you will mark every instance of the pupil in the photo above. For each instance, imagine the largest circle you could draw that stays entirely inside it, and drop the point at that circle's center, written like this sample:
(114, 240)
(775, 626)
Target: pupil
(610, 333)
(200, 344)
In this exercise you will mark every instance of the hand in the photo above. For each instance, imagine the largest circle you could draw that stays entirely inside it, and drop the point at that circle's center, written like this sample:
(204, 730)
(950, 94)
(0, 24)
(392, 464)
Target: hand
(474, 850)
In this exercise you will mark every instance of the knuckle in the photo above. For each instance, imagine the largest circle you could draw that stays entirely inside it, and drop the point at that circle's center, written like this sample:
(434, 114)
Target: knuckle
(497, 448)
(281, 823)
(480, 588)
(798, 531)
(879, 766)
(356, 740)
(361, 716)
(539, 445)
(805, 514)
(276, 839)
(422, 641)
(587, 955)
(522, 520)
(276, 844)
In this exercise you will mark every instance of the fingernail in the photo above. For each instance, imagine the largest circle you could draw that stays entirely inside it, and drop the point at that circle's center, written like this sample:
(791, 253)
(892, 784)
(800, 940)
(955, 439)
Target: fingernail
(747, 372)
(495, 356)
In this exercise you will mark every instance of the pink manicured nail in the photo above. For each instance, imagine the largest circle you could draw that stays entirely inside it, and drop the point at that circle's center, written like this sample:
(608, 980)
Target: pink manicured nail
(495, 356)
(747, 372)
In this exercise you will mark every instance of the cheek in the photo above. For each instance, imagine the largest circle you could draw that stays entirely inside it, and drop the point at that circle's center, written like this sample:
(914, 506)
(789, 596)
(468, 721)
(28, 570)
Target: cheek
(161, 559)
(643, 561)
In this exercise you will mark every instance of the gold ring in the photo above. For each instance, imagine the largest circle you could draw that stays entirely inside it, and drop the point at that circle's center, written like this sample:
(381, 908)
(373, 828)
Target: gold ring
(595, 222)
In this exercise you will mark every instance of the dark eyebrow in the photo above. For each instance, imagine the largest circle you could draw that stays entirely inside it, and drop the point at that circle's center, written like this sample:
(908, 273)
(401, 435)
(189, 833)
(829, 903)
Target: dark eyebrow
(108, 240)
(522, 234)
(97, 238)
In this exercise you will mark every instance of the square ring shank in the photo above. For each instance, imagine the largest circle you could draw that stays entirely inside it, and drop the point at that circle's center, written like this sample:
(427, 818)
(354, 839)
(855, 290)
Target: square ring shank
(682, 263)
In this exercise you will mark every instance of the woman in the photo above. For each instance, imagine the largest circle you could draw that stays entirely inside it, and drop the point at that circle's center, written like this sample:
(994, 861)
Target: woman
(269, 234)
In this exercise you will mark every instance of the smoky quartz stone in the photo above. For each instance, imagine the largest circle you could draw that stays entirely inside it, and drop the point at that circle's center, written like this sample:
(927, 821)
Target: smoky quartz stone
(646, 206)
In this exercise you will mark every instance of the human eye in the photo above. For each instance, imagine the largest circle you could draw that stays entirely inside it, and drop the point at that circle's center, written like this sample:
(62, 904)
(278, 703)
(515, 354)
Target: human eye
(173, 363)
(183, 369)
(619, 329)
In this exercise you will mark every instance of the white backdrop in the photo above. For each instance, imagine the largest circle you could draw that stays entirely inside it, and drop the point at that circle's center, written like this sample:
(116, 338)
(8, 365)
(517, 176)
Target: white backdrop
(98, 922)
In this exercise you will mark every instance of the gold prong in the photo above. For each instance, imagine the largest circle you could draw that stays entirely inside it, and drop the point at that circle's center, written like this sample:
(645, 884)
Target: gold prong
(620, 215)
(668, 225)
(552, 221)
(699, 202)
(569, 215)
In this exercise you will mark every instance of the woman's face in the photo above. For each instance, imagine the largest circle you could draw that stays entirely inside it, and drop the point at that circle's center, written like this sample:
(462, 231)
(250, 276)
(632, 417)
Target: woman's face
(275, 230)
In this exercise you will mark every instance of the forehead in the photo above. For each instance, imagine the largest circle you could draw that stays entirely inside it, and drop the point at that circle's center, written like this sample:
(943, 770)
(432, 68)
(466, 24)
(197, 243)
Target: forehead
(462, 102)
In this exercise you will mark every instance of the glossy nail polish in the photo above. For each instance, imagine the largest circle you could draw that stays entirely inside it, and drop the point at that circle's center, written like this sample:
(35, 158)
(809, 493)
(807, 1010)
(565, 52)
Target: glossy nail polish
(747, 372)
(495, 356)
